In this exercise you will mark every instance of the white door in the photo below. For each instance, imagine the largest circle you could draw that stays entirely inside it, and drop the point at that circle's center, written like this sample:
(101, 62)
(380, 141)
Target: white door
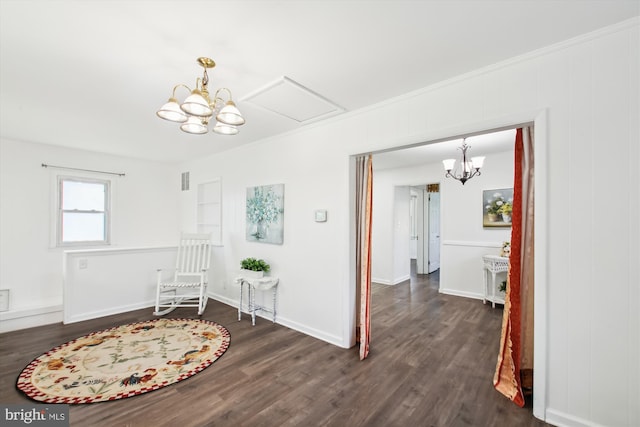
(413, 239)
(434, 231)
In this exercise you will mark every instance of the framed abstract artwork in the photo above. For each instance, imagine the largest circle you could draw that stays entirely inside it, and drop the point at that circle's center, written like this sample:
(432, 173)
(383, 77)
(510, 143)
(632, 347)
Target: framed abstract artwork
(265, 214)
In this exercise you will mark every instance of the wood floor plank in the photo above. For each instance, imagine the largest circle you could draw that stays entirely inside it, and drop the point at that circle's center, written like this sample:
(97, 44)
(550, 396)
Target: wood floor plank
(431, 364)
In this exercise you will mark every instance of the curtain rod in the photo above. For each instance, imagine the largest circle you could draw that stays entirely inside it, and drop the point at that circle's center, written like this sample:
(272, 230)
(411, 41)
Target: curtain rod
(44, 165)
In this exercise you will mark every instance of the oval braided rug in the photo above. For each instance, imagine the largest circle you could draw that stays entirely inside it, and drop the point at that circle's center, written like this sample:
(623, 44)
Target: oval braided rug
(124, 361)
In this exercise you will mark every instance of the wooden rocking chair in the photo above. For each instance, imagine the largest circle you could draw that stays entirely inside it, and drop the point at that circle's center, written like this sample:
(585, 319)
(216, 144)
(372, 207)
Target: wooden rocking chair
(188, 287)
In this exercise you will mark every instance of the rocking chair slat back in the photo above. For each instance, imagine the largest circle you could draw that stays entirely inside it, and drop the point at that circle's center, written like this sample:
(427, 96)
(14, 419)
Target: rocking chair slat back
(194, 253)
(189, 285)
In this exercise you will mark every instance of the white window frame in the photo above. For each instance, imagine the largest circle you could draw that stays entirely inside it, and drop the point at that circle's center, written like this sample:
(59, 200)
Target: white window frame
(60, 213)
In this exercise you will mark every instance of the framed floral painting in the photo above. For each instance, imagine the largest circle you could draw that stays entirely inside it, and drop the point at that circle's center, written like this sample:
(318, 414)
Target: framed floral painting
(265, 214)
(496, 207)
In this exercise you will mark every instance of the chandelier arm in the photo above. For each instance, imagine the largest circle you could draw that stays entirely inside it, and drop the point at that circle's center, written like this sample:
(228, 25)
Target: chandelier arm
(222, 99)
(176, 88)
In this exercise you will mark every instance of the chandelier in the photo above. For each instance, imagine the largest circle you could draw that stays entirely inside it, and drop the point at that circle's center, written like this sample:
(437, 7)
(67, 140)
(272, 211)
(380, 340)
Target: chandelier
(469, 169)
(198, 108)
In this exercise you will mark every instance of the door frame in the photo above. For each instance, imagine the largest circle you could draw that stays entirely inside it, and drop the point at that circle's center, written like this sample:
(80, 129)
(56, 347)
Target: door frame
(539, 119)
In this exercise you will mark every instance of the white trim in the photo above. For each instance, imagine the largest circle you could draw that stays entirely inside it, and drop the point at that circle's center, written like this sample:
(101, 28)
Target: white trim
(315, 333)
(562, 419)
(30, 317)
(381, 281)
(473, 244)
(458, 293)
(541, 266)
(111, 250)
(108, 312)
(401, 279)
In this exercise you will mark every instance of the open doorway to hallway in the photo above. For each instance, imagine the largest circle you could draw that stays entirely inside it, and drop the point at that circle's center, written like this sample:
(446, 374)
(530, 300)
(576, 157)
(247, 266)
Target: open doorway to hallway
(467, 238)
(424, 211)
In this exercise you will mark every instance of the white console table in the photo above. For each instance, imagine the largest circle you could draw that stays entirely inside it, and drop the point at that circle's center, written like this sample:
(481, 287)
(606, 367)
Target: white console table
(255, 284)
(493, 264)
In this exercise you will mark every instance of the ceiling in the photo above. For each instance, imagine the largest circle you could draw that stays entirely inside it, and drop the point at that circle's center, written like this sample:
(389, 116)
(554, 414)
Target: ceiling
(479, 145)
(91, 74)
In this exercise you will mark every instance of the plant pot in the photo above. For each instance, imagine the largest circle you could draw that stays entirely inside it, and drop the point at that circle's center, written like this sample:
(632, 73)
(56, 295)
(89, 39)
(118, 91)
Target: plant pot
(506, 218)
(250, 274)
(492, 217)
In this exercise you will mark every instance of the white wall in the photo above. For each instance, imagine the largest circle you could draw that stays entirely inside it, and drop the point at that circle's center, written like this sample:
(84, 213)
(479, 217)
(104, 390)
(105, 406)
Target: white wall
(144, 213)
(103, 282)
(587, 298)
(401, 233)
(390, 244)
(463, 239)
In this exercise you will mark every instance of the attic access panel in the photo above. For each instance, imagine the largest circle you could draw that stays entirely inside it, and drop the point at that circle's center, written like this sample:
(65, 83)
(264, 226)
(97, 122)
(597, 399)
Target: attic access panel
(294, 101)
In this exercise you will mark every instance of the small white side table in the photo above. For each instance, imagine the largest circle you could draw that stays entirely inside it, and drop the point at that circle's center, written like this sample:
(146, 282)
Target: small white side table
(493, 264)
(262, 284)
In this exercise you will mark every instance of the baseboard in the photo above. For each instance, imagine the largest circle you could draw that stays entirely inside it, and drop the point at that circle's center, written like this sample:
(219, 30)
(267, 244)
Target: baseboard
(401, 279)
(458, 293)
(30, 318)
(315, 333)
(561, 419)
(110, 311)
(389, 282)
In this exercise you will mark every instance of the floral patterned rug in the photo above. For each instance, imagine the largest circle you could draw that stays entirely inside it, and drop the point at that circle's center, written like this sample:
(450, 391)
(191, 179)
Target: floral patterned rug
(124, 361)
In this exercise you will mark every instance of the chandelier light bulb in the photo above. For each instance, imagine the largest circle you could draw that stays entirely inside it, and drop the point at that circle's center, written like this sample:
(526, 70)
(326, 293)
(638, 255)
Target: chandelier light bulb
(194, 125)
(230, 115)
(225, 129)
(171, 111)
(196, 105)
(449, 164)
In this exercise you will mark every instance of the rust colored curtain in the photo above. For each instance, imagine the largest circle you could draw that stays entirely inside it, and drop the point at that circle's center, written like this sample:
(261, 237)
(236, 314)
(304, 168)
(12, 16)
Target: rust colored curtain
(514, 369)
(364, 207)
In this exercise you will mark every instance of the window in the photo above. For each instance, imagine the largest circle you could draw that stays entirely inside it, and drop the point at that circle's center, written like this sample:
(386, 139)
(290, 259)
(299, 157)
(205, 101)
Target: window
(83, 211)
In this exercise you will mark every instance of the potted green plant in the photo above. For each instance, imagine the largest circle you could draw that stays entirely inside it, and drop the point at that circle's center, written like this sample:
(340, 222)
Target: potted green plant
(254, 268)
(503, 286)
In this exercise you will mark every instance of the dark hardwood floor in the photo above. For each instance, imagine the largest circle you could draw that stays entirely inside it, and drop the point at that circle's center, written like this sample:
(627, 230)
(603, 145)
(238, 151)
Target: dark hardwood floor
(431, 364)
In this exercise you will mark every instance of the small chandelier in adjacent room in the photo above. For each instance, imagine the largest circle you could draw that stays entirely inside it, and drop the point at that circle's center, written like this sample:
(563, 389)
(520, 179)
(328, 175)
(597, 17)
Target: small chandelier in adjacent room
(469, 169)
(196, 110)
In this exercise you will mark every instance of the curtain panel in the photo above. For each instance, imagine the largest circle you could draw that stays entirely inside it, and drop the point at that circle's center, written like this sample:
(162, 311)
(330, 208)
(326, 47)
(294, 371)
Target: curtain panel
(364, 207)
(514, 369)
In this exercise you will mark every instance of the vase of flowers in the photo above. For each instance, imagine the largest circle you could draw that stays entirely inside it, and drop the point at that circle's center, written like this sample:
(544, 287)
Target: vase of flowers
(493, 207)
(262, 210)
(505, 210)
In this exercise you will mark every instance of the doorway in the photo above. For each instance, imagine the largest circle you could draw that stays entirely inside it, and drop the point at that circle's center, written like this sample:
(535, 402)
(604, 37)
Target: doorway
(425, 225)
(539, 121)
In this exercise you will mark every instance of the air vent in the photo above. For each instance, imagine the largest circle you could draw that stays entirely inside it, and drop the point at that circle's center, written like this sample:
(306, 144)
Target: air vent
(185, 181)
